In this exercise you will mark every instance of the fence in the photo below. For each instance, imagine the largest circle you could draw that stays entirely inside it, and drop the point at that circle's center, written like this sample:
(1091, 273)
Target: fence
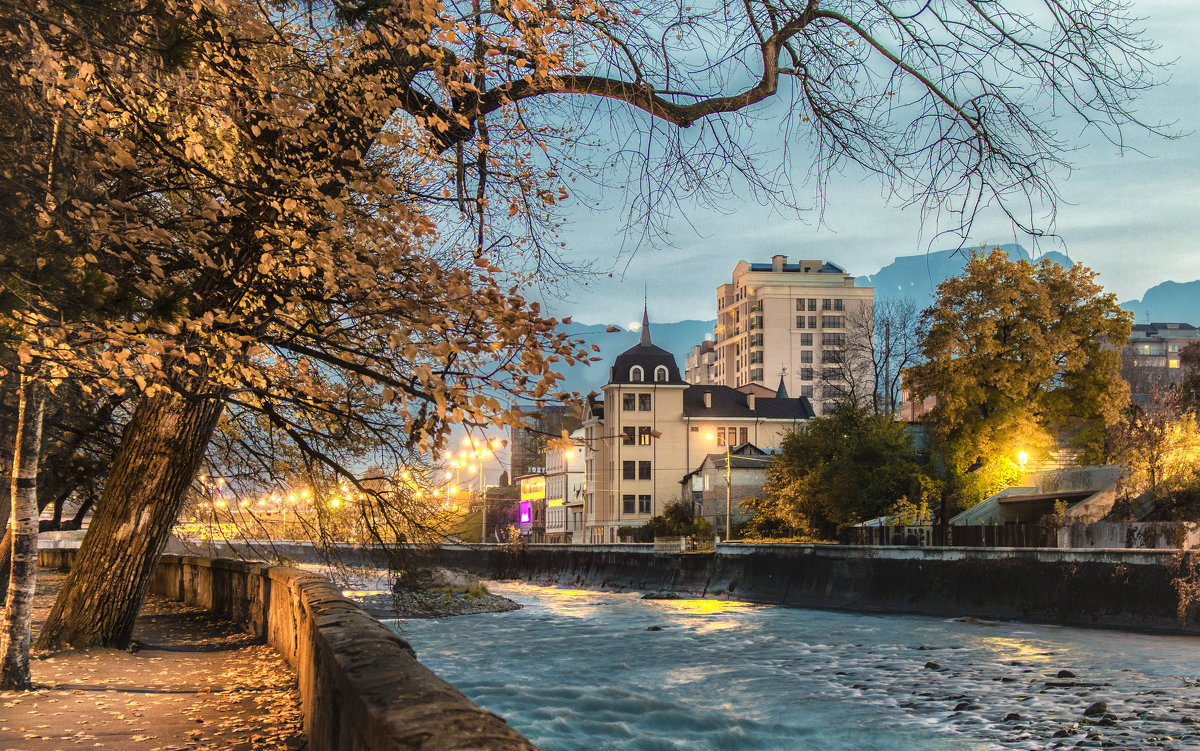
(974, 536)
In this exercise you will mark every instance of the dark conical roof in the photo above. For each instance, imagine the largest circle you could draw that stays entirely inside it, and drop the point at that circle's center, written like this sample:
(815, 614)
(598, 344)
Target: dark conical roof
(648, 358)
(781, 392)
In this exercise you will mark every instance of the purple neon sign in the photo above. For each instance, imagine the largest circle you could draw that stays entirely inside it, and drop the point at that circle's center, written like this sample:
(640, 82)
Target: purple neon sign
(526, 512)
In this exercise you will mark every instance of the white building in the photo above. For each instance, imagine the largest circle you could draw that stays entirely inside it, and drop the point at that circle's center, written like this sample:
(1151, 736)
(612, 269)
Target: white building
(564, 492)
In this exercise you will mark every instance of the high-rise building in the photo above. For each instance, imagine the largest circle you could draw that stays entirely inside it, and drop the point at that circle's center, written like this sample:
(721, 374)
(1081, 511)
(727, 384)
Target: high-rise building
(788, 320)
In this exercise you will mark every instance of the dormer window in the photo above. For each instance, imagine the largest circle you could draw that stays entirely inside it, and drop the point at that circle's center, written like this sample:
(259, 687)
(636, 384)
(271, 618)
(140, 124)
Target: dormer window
(660, 374)
(636, 374)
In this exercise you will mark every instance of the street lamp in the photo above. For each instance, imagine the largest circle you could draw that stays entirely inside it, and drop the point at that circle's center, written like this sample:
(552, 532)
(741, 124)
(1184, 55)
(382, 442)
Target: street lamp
(728, 483)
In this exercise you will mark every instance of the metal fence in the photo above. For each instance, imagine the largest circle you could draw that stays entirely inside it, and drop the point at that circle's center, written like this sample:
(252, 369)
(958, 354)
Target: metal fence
(974, 536)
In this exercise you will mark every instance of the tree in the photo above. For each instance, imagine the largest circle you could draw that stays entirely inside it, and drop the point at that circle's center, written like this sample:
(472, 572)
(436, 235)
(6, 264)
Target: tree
(678, 519)
(1017, 355)
(1158, 444)
(881, 342)
(838, 470)
(266, 184)
(1189, 386)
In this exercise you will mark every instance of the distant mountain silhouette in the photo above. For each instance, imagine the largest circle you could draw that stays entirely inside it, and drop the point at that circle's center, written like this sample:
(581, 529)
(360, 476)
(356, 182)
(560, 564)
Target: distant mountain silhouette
(918, 276)
(915, 276)
(1169, 302)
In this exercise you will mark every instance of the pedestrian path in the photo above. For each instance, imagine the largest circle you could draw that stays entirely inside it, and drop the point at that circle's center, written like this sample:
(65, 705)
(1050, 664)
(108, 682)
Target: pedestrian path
(192, 681)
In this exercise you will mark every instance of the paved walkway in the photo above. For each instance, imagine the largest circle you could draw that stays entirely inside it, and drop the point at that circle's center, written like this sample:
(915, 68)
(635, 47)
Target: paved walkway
(196, 682)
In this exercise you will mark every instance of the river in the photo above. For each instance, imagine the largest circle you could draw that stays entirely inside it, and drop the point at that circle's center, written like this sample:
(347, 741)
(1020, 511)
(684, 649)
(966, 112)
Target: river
(582, 670)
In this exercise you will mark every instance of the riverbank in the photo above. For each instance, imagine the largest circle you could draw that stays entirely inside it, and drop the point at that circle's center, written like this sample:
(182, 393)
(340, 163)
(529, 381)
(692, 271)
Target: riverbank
(194, 681)
(1122, 589)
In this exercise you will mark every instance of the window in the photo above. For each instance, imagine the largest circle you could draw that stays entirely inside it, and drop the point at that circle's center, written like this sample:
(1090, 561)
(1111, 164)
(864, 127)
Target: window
(800, 322)
(643, 504)
(833, 340)
(660, 374)
(643, 402)
(643, 470)
(831, 355)
(743, 435)
(806, 340)
(806, 391)
(1172, 363)
(636, 374)
(826, 304)
(806, 355)
(627, 504)
(627, 402)
(800, 303)
(812, 322)
(629, 432)
(756, 322)
(644, 436)
(806, 374)
(628, 470)
(837, 305)
(756, 374)
(720, 436)
(756, 356)
(812, 304)
(756, 340)
(831, 390)
(1172, 347)
(833, 322)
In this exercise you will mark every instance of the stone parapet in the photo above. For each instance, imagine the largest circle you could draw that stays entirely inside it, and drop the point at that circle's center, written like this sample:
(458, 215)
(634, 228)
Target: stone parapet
(361, 685)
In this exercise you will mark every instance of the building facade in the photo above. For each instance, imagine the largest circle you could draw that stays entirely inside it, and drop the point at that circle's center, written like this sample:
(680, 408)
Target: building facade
(701, 366)
(786, 320)
(1151, 359)
(651, 428)
(564, 492)
(727, 477)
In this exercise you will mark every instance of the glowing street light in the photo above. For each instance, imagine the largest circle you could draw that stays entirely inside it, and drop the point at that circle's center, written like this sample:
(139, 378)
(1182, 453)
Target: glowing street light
(1022, 457)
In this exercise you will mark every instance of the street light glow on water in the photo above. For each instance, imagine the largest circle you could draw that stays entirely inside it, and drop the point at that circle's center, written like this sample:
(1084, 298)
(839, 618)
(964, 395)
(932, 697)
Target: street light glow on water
(579, 669)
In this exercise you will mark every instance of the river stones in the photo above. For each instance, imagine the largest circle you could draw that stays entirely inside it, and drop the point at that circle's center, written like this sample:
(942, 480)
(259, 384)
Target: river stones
(661, 596)
(1095, 709)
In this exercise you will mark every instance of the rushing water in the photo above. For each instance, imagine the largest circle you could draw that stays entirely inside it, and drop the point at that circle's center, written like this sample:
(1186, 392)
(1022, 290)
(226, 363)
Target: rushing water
(580, 670)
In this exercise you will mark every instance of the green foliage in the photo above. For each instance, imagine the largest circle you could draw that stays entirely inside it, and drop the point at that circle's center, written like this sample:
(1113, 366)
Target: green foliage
(1018, 354)
(678, 519)
(841, 469)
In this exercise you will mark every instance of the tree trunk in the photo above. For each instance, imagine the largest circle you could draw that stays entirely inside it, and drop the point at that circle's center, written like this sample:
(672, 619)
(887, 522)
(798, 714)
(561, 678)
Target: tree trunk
(161, 449)
(23, 526)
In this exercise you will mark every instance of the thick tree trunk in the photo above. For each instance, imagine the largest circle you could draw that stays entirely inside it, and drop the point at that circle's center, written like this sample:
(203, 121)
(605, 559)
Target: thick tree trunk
(147, 485)
(23, 526)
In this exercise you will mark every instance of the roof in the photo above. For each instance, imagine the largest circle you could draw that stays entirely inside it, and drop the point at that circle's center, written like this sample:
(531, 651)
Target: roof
(826, 268)
(729, 402)
(740, 462)
(648, 357)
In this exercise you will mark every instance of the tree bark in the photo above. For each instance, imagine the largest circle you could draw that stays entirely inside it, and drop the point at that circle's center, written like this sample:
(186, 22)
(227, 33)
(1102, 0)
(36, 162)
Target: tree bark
(23, 526)
(160, 451)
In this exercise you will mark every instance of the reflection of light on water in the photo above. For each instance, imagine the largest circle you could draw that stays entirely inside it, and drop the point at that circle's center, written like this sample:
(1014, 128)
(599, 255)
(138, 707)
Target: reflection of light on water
(707, 607)
(1014, 648)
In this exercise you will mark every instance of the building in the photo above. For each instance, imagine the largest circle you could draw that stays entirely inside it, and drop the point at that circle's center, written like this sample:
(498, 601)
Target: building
(527, 446)
(564, 492)
(701, 365)
(1151, 359)
(786, 320)
(707, 485)
(532, 514)
(650, 429)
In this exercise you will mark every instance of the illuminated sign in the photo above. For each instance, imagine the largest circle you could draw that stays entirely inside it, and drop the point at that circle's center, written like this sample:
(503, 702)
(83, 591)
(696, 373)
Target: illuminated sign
(553, 502)
(526, 512)
(533, 488)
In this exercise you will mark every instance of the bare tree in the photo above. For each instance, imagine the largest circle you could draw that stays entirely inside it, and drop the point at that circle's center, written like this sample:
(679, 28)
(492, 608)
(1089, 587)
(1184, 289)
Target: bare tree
(880, 341)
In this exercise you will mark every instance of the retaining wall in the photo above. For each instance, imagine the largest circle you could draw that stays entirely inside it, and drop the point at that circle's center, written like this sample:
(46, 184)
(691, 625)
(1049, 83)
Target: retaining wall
(1131, 589)
(361, 686)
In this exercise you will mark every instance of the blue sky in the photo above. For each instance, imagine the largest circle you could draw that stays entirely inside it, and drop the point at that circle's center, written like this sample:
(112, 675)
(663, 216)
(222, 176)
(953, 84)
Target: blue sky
(1133, 217)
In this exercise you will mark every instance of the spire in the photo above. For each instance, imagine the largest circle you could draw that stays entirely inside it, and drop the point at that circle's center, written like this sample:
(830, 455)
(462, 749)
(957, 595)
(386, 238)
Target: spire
(645, 342)
(781, 392)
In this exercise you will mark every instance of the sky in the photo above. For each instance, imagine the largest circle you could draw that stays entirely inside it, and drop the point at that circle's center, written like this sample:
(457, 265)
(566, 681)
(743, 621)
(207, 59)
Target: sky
(1134, 217)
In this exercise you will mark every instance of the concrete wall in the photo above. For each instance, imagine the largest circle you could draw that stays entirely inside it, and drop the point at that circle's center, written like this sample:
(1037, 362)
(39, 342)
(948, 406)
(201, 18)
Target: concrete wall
(361, 686)
(1105, 588)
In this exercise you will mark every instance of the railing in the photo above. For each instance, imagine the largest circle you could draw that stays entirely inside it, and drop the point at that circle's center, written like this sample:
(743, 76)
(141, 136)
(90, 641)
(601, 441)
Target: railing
(963, 536)
(674, 544)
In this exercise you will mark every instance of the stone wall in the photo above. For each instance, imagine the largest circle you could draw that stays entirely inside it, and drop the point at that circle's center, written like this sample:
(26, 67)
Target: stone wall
(361, 686)
(1131, 589)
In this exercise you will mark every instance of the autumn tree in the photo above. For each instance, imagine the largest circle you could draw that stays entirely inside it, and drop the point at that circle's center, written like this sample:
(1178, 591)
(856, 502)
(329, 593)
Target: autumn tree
(1158, 443)
(1189, 385)
(1019, 356)
(317, 193)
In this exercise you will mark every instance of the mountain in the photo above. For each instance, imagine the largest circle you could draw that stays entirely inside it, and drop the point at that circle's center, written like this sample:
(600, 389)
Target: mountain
(677, 338)
(1173, 302)
(918, 276)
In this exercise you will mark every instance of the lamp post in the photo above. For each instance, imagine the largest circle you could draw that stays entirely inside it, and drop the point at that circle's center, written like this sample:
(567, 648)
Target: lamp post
(728, 484)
